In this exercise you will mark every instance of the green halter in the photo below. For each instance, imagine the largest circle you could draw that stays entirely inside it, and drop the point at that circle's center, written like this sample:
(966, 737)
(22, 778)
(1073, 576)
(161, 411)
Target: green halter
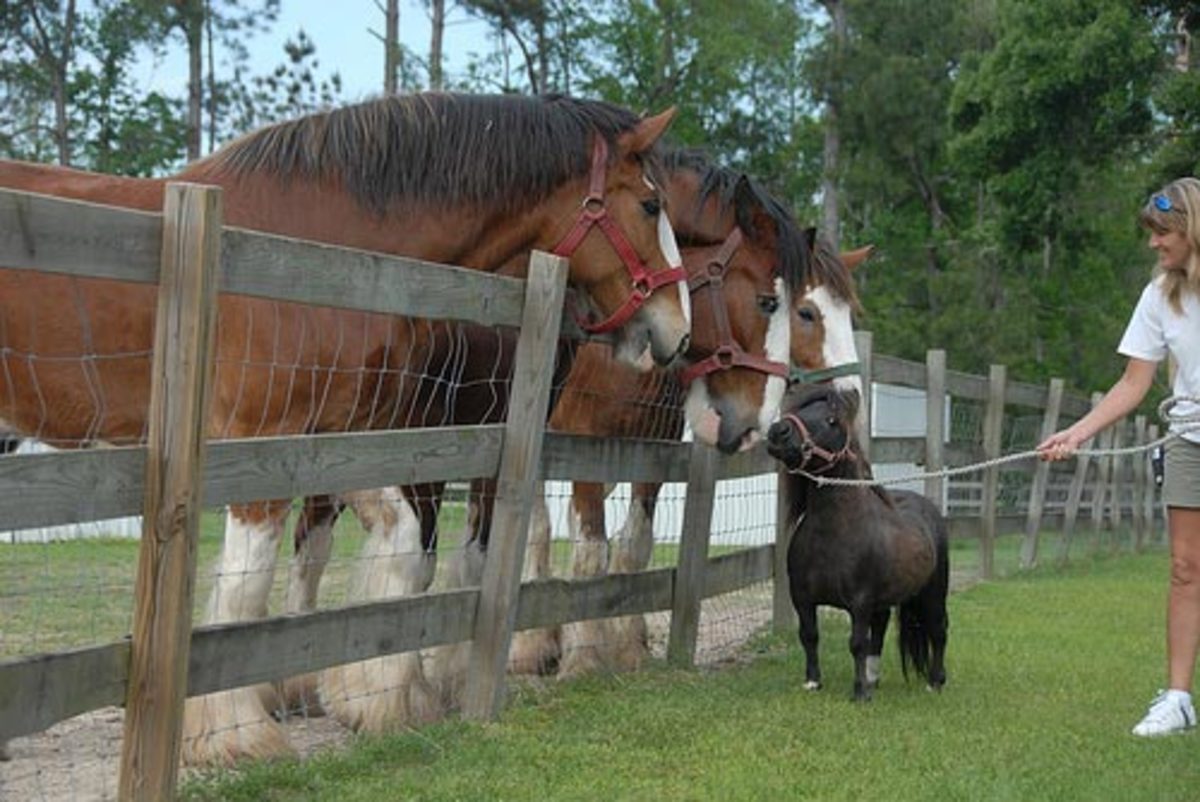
(804, 376)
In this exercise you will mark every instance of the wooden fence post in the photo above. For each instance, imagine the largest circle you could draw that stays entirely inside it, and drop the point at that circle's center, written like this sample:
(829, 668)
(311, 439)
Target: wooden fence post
(181, 376)
(693, 555)
(783, 615)
(1153, 499)
(864, 344)
(993, 428)
(1116, 483)
(1104, 440)
(1074, 497)
(1041, 477)
(518, 476)
(935, 425)
(1140, 486)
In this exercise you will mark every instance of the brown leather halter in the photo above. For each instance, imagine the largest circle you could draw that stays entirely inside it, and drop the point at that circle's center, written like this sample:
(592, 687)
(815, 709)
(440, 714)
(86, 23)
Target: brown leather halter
(729, 353)
(593, 212)
(809, 448)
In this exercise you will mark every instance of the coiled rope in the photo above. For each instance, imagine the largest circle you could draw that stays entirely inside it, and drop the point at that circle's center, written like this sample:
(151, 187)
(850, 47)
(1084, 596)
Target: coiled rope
(1184, 423)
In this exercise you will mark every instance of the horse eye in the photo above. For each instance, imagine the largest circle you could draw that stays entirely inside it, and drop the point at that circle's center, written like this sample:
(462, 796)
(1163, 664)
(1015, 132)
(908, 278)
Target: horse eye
(807, 314)
(652, 207)
(769, 304)
(832, 421)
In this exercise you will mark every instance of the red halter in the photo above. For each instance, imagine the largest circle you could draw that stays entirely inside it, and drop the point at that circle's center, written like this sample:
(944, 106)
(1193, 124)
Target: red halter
(809, 449)
(593, 212)
(729, 353)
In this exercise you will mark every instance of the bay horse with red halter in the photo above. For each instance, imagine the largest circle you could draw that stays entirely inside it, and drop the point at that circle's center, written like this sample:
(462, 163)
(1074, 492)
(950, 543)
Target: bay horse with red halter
(771, 302)
(477, 181)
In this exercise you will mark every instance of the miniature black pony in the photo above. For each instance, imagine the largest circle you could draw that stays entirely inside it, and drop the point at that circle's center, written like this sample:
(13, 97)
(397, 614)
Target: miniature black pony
(859, 548)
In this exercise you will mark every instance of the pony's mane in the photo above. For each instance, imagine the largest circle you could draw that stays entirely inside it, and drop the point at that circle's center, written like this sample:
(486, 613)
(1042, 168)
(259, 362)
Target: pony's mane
(494, 152)
(802, 262)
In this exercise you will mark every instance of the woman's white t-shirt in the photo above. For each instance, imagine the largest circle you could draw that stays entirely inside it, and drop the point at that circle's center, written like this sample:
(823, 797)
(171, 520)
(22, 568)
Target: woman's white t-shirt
(1155, 330)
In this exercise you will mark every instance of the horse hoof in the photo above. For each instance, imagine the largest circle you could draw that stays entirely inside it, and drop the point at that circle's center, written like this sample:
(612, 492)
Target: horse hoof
(812, 685)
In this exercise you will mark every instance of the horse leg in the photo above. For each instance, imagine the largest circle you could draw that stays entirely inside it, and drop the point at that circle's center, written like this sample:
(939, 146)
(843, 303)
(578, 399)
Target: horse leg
(464, 569)
(632, 548)
(583, 641)
(536, 651)
(860, 644)
(879, 625)
(311, 546)
(221, 728)
(398, 559)
(810, 637)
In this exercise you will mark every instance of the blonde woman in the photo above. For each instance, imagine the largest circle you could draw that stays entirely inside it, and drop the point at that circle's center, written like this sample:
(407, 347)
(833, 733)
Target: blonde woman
(1165, 323)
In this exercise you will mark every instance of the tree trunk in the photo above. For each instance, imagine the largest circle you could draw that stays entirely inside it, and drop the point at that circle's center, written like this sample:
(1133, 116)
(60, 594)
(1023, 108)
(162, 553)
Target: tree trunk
(192, 14)
(831, 218)
(391, 47)
(212, 78)
(57, 63)
(1183, 44)
(437, 30)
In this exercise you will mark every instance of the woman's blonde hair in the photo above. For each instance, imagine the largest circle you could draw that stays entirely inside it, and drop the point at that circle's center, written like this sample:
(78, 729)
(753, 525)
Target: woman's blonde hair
(1176, 207)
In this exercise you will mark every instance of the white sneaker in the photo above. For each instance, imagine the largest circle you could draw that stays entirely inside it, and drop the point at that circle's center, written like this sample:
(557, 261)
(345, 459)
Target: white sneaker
(1169, 713)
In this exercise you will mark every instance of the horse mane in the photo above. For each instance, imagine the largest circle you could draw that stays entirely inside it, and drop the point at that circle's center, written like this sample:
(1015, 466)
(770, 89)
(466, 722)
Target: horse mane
(496, 152)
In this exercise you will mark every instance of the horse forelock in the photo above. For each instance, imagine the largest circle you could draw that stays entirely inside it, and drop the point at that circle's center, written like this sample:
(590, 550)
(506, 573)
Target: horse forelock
(493, 152)
(717, 184)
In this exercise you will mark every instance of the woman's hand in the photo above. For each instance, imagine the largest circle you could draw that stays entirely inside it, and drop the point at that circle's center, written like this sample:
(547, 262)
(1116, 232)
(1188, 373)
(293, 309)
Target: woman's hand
(1060, 445)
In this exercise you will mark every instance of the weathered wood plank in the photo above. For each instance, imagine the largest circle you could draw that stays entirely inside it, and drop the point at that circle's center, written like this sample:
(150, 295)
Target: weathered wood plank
(693, 555)
(520, 464)
(551, 602)
(613, 459)
(738, 569)
(38, 692)
(284, 268)
(72, 486)
(233, 655)
(181, 379)
(993, 425)
(40, 232)
(1041, 477)
(935, 424)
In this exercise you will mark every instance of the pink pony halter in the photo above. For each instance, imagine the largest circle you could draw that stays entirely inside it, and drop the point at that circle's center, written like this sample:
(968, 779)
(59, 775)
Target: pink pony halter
(593, 212)
(809, 448)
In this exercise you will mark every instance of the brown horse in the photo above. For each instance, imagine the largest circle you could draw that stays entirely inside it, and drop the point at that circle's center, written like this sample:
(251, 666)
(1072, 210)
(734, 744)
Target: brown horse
(742, 308)
(478, 181)
(788, 301)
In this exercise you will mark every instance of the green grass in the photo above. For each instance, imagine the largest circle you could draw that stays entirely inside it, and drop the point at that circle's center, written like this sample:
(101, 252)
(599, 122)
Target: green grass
(1048, 671)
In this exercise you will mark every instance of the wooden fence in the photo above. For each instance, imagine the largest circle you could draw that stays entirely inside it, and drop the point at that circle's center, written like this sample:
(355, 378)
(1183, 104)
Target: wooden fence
(188, 252)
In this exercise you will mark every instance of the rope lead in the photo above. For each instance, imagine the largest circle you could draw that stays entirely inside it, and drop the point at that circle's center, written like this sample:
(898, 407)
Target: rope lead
(1189, 423)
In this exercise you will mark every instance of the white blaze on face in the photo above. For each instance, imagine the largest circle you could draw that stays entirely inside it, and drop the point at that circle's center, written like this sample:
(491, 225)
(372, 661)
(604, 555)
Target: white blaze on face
(839, 335)
(670, 249)
(779, 349)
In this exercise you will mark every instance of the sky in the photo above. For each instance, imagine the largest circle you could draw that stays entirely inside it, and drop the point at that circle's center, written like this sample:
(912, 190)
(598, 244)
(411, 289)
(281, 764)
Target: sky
(341, 30)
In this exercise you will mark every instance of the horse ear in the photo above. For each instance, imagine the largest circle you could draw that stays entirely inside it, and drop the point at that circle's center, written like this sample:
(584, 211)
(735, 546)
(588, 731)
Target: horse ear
(642, 136)
(852, 259)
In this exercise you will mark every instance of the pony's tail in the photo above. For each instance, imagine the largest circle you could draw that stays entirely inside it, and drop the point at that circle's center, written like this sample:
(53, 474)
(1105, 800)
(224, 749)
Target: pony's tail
(915, 642)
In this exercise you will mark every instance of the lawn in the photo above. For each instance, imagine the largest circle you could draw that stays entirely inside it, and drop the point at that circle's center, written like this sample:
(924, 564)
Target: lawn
(1048, 671)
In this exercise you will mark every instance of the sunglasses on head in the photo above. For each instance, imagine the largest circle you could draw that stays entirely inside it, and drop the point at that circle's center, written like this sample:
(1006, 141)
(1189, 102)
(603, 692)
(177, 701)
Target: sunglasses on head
(1162, 203)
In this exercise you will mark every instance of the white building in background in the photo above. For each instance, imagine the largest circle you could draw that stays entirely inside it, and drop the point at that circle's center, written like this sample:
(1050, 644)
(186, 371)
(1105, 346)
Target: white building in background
(116, 527)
